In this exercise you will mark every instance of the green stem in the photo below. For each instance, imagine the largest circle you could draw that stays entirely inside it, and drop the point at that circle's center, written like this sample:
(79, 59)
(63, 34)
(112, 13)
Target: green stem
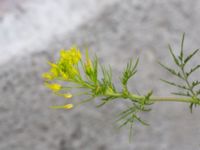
(138, 98)
(169, 99)
(172, 99)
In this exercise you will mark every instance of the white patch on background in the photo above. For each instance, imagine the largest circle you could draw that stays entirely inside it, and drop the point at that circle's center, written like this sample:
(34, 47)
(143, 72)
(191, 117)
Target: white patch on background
(27, 26)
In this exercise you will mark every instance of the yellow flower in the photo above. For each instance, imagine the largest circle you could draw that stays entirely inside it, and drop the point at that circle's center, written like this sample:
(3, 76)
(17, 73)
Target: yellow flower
(75, 54)
(54, 86)
(64, 54)
(73, 71)
(67, 63)
(54, 72)
(68, 106)
(47, 76)
(64, 75)
(67, 95)
(71, 56)
(52, 64)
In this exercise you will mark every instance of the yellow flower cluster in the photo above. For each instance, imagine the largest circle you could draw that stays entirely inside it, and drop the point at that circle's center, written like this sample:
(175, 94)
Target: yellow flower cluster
(66, 67)
(68, 63)
(72, 56)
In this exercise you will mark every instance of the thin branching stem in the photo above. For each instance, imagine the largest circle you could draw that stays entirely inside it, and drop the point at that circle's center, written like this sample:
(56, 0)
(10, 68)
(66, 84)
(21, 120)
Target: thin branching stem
(172, 99)
(138, 98)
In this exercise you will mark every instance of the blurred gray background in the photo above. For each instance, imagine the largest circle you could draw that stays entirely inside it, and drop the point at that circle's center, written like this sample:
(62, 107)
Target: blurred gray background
(33, 31)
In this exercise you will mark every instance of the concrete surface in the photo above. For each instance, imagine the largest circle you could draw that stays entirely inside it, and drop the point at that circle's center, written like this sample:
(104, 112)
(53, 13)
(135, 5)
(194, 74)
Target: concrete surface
(115, 31)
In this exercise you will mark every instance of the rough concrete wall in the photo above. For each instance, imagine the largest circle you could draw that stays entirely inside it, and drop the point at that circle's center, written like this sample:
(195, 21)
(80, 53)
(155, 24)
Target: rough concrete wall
(30, 25)
(120, 31)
